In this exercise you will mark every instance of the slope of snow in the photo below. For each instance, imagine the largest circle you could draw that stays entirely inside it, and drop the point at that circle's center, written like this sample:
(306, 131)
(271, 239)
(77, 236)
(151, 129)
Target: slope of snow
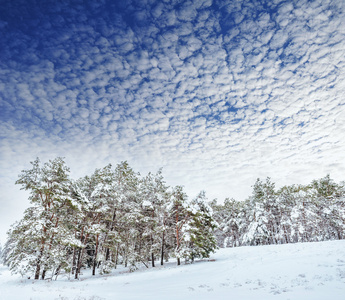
(292, 271)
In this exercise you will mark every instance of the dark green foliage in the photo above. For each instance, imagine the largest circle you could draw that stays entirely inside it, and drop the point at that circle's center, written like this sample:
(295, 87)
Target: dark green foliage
(202, 227)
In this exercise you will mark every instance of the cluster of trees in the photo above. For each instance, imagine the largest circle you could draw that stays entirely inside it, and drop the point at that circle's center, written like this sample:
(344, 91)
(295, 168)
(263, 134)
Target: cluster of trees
(117, 217)
(297, 213)
(112, 217)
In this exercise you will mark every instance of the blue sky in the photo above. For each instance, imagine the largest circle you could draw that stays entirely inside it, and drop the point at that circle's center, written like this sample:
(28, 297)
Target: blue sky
(218, 93)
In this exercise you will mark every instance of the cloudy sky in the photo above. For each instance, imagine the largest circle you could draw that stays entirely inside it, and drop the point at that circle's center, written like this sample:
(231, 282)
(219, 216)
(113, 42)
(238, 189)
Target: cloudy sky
(216, 92)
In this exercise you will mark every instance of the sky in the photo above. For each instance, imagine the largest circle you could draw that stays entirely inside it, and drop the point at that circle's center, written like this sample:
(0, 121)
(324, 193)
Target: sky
(218, 93)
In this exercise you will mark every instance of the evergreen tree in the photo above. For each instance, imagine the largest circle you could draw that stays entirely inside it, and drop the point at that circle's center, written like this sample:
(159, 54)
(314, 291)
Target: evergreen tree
(180, 216)
(230, 222)
(295, 213)
(155, 197)
(92, 194)
(199, 231)
(40, 236)
(114, 216)
(263, 225)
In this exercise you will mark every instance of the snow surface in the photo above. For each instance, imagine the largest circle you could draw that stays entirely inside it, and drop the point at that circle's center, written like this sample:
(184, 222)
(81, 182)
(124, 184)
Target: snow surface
(293, 271)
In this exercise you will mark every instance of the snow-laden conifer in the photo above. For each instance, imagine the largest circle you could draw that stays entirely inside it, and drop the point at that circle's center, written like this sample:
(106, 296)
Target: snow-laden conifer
(295, 213)
(38, 241)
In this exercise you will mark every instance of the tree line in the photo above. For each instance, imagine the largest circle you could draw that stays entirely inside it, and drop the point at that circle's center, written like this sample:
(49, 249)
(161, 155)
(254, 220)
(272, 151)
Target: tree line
(98, 222)
(296, 213)
(118, 217)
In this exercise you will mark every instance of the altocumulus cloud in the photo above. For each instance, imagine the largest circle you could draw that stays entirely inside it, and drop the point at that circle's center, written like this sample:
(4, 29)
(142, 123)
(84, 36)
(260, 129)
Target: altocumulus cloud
(217, 93)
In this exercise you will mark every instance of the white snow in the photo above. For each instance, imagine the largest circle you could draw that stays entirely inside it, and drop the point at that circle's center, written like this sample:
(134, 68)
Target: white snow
(292, 271)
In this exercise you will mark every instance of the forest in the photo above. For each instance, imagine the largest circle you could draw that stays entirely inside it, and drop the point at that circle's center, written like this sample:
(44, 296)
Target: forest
(112, 217)
(291, 214)
(118, 217)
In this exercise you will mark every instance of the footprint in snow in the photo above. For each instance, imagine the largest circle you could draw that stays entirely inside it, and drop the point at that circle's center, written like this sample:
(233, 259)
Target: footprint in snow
(224, 284)
(237, 285)
(340, 273)
(204, 286)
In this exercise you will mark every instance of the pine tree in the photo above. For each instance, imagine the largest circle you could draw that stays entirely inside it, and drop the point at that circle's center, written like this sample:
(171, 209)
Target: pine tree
(200, 240)
(180, 216)
(49, 188)
(296, 213)
(128, 214)
(23, 242)
(155, 200)
(92, 193)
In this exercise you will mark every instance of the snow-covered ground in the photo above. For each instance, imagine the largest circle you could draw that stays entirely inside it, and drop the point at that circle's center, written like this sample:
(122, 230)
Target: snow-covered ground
(293, 271)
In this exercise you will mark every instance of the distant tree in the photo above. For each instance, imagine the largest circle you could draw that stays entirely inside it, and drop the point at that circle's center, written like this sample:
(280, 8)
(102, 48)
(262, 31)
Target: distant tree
(232, 220)
(263, 217)
(326, 188)
(295, 213)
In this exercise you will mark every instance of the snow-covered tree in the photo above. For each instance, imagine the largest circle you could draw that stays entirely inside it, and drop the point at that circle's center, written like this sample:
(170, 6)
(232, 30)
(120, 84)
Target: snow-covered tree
(155, 197)
(41, 235)
(199, 239)
(264, 215)
(94, 195)
(115, 216)
(98, 221)
(295, 213)
(233, 219)
(180, 217)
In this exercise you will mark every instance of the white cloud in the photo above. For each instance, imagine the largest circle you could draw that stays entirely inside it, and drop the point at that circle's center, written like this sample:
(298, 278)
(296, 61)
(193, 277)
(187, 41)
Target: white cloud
(215, 97)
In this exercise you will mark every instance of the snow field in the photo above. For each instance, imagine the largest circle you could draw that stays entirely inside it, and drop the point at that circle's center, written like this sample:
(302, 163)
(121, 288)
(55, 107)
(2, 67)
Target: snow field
(292, 271)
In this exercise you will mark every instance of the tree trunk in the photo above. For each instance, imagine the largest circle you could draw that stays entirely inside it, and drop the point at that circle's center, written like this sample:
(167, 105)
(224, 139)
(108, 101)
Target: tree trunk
(125, 255)
(57, 272)
(74, 261)
(44, 274)
(38, 264)
(83, 239)
(38, 269)
(117, 255)
(153, 259)
(177, 236)
(78, 265)
(162, 250)
(79, 262)
(95, 258)
(107, 252)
